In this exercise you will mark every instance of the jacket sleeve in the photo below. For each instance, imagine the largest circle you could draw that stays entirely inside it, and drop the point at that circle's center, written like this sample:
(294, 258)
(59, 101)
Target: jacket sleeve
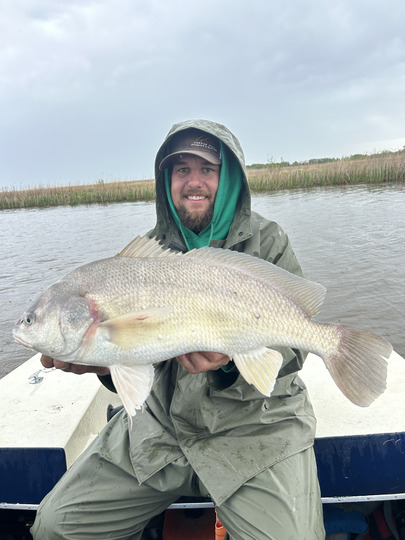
(275, 246)
(106, 380)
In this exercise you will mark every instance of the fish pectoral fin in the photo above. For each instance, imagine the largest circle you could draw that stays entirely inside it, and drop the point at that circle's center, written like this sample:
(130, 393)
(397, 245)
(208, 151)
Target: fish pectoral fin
(127, 330)
(260, 368)
(133, 384)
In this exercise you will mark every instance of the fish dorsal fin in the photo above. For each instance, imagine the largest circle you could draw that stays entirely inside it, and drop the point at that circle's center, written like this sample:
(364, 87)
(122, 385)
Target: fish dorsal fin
(306, 294)
(142, 246)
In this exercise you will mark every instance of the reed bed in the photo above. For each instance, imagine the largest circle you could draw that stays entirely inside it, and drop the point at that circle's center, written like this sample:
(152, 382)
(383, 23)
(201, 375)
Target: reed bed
(99, 193)
(375, 169)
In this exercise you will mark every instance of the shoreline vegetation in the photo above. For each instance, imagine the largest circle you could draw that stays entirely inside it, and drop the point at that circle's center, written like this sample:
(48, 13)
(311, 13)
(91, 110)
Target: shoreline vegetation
(380, 168)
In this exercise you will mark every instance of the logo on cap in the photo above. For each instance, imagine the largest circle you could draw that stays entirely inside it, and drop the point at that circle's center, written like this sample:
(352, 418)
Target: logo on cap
(193, 141)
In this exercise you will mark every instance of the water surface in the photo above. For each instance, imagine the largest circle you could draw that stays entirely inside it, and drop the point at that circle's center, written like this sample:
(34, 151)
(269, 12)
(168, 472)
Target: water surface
(349, 239)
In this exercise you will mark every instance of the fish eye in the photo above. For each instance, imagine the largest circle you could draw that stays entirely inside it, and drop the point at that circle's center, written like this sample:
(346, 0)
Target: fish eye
(29, 318)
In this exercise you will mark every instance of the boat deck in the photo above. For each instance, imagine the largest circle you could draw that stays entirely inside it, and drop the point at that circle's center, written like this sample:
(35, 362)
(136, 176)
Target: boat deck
(360, 451)
(45, 426)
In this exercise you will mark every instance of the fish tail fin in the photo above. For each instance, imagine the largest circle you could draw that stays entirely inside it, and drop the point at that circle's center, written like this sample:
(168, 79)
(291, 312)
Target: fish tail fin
(359, 364)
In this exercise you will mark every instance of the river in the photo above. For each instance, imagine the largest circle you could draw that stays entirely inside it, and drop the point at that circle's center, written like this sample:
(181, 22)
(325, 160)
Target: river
(350, 239)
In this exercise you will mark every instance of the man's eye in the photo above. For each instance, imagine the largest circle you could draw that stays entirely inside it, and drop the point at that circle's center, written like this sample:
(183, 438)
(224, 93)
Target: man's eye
(207, 170)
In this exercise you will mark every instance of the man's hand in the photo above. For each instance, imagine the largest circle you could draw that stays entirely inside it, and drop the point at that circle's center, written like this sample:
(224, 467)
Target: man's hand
(49, 362)
(197, 362)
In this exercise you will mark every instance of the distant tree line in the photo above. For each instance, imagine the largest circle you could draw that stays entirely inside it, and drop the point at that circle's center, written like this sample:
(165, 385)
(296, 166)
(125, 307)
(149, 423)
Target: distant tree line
(317, 161)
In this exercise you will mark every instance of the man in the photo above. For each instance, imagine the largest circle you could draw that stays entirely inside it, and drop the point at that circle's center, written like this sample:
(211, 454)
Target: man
(204, 430)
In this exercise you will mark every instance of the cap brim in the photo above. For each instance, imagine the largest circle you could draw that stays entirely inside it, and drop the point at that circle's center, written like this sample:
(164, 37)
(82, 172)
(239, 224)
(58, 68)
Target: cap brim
(205, 155)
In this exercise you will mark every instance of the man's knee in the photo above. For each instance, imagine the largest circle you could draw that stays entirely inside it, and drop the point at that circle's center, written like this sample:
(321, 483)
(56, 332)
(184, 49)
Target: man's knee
(46, 523)
(281, 503)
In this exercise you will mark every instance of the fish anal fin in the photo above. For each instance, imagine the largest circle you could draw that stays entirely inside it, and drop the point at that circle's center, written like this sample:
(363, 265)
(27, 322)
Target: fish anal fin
(127, 330)
(260, 368)
(133, 385)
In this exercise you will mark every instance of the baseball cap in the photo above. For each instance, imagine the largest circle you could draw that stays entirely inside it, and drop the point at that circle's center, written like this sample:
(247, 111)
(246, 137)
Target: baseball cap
(193, 141)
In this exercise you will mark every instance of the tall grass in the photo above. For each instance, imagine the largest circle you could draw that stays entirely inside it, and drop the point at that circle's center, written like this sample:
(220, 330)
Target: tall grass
(343, 172)
(375, 169)
(99, 193)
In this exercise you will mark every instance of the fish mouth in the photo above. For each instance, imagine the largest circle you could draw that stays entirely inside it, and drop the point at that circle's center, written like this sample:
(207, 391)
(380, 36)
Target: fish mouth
(22, 342)
(53, 354)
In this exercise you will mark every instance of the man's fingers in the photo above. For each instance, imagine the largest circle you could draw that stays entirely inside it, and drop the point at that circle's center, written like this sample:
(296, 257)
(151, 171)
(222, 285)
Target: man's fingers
(187, 362)
(49, 362)
(197, 362)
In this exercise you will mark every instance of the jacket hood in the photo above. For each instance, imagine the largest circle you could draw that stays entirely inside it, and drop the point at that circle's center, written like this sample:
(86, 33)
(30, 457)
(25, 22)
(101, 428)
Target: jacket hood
(166, 227)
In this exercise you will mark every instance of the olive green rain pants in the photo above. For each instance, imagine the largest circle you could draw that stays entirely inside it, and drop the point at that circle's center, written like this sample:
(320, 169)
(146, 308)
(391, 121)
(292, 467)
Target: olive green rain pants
(100, 498)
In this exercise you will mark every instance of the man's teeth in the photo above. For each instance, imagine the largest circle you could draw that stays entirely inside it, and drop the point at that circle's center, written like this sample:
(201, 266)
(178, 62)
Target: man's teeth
(196, 197)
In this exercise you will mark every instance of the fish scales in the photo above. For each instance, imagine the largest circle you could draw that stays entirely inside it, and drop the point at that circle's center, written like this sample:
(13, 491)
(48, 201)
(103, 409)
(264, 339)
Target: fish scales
(149, 304)
(203, 295)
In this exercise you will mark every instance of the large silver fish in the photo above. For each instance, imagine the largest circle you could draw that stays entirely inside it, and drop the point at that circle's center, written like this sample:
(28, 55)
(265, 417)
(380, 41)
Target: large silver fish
(149, 304)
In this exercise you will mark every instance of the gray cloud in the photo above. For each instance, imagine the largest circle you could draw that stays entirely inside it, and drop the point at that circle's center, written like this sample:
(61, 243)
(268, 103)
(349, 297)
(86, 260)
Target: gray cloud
(88, 89)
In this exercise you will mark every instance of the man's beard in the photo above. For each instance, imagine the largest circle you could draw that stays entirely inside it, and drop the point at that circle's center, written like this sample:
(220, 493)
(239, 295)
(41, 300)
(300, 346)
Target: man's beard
(195, 223)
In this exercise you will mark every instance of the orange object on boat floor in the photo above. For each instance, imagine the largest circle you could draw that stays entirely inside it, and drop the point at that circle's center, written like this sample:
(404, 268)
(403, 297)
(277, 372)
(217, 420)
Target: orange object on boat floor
(198, 524)
(220, 531)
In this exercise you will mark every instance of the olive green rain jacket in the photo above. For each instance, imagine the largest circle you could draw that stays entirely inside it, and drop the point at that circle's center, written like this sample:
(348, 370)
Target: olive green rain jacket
(228, 431)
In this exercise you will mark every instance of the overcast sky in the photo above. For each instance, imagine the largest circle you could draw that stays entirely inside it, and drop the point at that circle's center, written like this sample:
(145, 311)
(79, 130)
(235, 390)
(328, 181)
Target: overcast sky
(89, 88)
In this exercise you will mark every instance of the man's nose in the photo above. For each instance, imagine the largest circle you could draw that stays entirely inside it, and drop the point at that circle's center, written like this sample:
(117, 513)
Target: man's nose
(195, 177)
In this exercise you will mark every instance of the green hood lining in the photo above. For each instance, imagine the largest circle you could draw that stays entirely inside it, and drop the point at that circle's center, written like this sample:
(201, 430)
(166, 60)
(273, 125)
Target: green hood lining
(230, 186)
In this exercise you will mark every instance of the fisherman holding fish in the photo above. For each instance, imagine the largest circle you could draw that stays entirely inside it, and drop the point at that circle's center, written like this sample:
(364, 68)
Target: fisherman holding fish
(204, 429)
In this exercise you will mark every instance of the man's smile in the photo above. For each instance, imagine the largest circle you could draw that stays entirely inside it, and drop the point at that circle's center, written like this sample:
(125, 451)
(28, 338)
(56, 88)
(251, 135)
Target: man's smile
(196, 197)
